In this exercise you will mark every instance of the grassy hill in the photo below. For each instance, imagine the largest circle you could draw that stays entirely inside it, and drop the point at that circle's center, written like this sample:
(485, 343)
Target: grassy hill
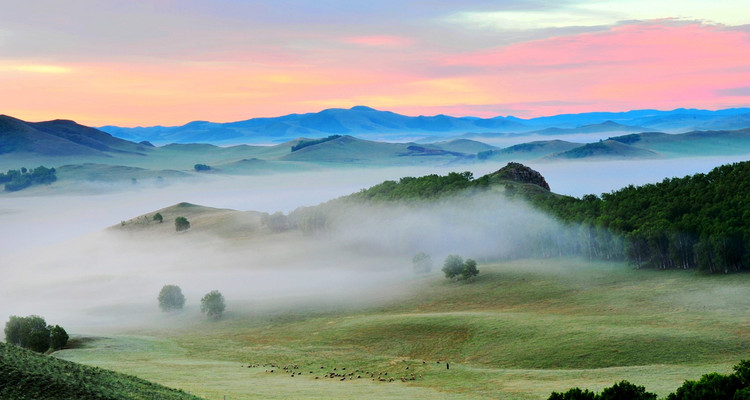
(28, 375)
(61, 138)
(521, 330)
(607, 149)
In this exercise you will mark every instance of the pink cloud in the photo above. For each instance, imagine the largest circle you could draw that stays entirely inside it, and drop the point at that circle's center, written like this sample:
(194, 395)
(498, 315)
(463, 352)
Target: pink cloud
(660, 64)
(380, 41)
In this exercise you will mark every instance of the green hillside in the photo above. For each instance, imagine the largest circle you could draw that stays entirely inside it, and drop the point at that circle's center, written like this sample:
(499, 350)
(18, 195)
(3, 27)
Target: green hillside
(25, 374)
(608, 149)
(521, 330)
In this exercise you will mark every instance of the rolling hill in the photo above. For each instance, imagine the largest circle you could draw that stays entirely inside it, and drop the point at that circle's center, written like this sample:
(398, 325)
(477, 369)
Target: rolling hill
(607, 149)
(25, 374)
(61, 138)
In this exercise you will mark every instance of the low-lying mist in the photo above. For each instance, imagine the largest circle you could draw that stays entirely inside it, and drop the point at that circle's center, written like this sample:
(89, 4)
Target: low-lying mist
(58, 260)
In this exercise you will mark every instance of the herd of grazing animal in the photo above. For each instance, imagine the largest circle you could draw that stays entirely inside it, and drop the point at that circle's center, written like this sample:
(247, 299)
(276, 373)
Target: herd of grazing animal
(339, 373)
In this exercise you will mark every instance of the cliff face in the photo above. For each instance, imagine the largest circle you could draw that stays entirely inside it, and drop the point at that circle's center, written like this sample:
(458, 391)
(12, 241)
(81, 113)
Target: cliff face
(520, 173)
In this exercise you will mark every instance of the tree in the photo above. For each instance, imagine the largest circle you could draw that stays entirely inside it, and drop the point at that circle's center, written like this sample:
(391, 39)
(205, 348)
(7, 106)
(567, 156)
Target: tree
(212, 304)
(453, 266)
(13, 330)
(470, 269)
(201, 167)
(181, 224)
(58, 338)
(158, 217)
(171, 298)
(625, 390)
(29, 332)
(422, 263)
(573, 394)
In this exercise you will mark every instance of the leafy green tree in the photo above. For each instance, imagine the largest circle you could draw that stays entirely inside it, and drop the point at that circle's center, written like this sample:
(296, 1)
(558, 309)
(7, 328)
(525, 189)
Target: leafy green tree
(158, 217)
(625, 390)
(573, 394)
(58, 338)
(212, 304)
(713, 386)
(181, 224)
(34, 333)
(422, 263)
(453, 266)
(171, 298)
(470, 269)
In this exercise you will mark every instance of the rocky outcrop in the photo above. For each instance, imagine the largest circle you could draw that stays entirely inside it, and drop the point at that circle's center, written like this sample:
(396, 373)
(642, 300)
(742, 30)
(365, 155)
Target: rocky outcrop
(520, 173)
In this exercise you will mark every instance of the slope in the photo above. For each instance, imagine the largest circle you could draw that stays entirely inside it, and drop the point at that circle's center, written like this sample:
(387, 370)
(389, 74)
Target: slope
(607, 149)
(28, 375)
(60, 138)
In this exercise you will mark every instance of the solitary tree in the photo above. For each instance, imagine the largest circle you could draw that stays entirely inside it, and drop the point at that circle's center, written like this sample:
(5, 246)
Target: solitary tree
(158, 217)
(58, 338)
(422, 263)
(181, 224)
(453, 266)
(171, 298)
(212, 304)
(470, 269)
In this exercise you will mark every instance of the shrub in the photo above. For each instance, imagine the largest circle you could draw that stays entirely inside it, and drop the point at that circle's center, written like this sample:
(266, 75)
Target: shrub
(181, 224)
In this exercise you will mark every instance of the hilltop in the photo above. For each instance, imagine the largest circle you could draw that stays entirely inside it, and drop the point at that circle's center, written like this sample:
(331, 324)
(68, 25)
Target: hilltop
(61, 138)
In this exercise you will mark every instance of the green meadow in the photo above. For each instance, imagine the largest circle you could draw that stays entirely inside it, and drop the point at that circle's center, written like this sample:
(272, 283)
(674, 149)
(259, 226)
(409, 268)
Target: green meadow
(520, 330)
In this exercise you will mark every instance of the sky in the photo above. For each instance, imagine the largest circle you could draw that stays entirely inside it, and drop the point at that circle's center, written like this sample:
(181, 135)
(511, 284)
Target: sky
(168, 62)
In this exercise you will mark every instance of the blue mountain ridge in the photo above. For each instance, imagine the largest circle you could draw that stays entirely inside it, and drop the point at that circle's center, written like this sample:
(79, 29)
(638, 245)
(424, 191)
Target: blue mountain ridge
(372, 124)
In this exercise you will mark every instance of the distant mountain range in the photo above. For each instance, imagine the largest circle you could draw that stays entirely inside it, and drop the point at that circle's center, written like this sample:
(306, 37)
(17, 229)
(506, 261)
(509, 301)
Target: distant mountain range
(371, 124)
(84, 153)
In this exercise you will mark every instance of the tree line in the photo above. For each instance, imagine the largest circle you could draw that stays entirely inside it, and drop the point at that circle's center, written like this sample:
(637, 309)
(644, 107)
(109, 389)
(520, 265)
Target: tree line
(19, 179)
(33, 333)
(712, 386)
(700, 221)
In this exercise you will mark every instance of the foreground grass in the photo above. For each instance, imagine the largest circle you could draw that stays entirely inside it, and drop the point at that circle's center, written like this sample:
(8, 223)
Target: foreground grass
(521, 330)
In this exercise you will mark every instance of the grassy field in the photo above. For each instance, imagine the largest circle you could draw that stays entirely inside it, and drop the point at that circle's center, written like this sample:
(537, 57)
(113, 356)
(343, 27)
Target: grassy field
(521, 330)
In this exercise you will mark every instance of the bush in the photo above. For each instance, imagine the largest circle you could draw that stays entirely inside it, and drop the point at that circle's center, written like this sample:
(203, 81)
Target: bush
(171, 298)
(181, 224)
(212, 304)
(158, 217)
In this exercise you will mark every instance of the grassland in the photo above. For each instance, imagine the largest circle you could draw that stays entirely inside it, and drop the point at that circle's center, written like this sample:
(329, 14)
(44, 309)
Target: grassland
(25, 374)
(519, 331)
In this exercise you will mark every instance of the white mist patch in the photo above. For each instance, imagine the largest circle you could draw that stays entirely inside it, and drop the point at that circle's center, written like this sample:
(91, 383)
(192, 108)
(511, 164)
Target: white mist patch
(55, 261)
